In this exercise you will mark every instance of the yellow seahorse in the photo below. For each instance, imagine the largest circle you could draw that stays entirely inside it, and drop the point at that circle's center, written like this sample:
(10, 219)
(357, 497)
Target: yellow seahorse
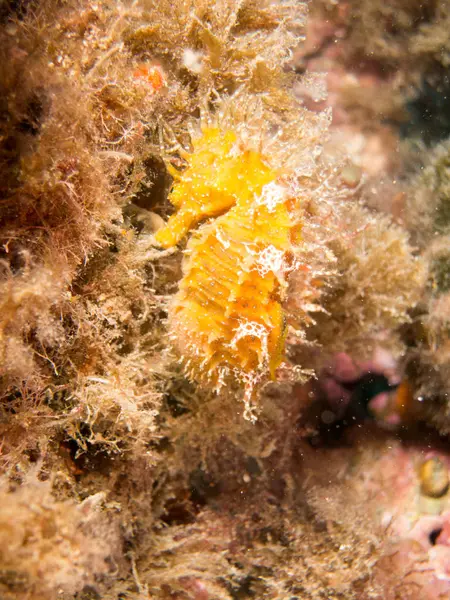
(227, 317)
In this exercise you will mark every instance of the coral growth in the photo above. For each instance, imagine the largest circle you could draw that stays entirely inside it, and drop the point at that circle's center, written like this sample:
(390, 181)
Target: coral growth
(428, 217)
(403, 35)
(379, 56)
(380, 281)
(50, 547)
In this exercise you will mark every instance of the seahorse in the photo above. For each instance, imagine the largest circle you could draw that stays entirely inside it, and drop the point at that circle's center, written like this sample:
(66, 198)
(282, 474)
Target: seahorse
(227, 318)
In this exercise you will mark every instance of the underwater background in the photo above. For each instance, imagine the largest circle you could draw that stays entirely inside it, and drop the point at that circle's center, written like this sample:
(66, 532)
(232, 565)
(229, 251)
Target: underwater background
(224, 300)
